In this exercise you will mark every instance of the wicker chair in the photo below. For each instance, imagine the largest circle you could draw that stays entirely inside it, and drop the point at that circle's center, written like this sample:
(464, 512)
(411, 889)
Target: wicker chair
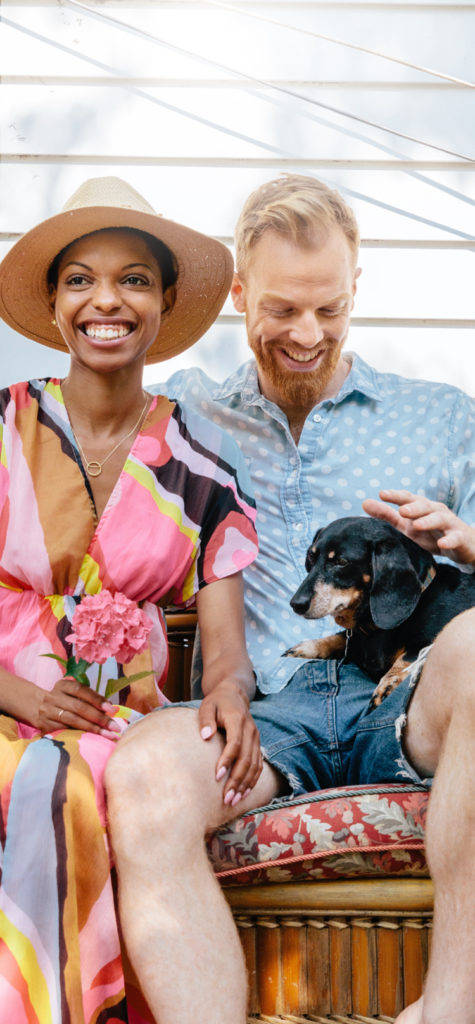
(341, 930)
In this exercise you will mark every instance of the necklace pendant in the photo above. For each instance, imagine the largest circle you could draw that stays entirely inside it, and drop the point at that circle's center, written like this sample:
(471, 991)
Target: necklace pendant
(93, 468)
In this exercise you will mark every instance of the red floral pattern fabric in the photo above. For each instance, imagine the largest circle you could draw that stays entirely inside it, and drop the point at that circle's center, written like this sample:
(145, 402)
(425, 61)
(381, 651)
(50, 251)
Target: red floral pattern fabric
(363, 831)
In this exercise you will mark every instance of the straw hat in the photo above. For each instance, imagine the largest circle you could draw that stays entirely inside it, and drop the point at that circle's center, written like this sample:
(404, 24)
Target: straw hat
(204, 266)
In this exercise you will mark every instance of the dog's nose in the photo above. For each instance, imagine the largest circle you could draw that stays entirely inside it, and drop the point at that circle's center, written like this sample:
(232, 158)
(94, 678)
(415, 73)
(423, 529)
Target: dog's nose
(299, 602)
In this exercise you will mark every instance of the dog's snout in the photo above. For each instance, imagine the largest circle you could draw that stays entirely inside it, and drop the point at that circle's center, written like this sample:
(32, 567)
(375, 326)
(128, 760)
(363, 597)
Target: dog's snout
(300, 601)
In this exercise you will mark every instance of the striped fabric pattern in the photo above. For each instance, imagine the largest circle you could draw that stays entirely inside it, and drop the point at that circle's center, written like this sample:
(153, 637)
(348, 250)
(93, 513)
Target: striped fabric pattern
(180, 517)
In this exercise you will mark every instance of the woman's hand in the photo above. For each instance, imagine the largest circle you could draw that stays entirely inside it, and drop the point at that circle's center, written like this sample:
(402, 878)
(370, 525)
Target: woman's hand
(429, 523)
(228, 684)
(227, 708)
(72, 706)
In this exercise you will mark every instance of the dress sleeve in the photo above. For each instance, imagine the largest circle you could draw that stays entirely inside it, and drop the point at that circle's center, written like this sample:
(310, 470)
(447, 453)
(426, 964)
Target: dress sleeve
(219, 496)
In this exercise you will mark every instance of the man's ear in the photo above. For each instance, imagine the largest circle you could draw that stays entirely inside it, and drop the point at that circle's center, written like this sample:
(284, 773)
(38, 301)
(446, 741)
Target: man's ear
(238, 294)
(355, 278)
(168, 300)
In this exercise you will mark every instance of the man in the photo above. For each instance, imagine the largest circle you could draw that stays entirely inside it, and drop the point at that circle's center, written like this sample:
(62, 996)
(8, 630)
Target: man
(321, 432)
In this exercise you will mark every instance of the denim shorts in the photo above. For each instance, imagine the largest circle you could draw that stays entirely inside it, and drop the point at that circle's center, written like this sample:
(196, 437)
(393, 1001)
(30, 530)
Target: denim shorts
(320, 731)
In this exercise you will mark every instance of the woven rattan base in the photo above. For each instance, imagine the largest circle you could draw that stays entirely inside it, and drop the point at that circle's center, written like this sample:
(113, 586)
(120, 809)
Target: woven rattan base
(313, 954)
(319, 1020)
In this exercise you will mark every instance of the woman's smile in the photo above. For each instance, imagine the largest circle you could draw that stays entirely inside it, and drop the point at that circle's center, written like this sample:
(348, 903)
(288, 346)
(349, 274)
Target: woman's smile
(109, 331)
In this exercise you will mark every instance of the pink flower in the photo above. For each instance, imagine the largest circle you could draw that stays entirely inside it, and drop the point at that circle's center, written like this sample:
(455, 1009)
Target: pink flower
(109, 627)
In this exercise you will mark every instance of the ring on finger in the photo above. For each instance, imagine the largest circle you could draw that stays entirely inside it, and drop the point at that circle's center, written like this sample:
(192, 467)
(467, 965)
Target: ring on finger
(60, 713)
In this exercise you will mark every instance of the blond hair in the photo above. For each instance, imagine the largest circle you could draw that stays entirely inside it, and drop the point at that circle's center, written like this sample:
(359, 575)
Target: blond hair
(298, 207)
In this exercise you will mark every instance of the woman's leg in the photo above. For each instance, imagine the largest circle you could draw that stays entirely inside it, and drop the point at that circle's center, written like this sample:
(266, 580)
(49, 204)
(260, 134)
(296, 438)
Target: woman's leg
(178, 929)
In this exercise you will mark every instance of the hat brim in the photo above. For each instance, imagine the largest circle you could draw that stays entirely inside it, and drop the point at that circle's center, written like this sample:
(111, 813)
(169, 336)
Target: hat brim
(204, 265)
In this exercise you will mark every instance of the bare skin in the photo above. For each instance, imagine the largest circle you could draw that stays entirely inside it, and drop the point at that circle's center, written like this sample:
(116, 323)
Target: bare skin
(298, 303)
(430, 523)
(439, 742)
(183, 943)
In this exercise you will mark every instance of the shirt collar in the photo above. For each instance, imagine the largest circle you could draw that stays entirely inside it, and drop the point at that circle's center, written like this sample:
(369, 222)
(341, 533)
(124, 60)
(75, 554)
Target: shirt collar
(244, 383)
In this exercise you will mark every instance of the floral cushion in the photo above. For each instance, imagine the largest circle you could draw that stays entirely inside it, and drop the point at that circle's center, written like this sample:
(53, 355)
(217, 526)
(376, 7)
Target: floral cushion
(363, 831)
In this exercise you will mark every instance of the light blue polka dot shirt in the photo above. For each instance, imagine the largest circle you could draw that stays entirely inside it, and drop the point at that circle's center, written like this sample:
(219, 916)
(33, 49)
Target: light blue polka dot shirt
(381, 430)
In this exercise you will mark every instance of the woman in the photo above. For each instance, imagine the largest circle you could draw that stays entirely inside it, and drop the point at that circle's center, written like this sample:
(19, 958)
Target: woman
(103, 487)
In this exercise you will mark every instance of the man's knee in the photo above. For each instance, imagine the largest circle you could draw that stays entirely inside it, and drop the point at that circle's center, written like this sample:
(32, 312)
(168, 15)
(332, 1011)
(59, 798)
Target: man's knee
(453, 653)
(161, 768)
(445, 690)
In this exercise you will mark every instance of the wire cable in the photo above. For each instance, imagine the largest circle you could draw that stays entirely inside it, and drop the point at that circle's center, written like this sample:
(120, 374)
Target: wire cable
(340, 42)
(261, 81)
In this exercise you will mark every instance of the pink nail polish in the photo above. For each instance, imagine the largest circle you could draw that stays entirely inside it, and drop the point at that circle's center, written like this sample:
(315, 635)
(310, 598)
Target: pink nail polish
(109, 735)
(244, 795)
(236, 799)
(222, 772)
(206, 732)
(229, 796)
(113, 727)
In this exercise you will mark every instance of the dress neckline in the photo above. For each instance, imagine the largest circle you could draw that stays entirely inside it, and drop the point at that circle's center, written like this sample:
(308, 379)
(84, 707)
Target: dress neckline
(79, 461)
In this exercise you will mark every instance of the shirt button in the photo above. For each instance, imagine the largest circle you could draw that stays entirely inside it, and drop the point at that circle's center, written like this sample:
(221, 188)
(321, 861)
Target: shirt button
(317, 418)
(298, 526)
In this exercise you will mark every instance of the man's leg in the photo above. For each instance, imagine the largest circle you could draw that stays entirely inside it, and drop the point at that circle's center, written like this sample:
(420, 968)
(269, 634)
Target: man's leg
(163, 798)
(440, 740)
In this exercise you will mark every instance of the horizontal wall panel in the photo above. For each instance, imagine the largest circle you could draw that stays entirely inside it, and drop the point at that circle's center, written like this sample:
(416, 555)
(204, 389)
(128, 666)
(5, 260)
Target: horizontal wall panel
(213, 102)
(387, 204)
(410, 32)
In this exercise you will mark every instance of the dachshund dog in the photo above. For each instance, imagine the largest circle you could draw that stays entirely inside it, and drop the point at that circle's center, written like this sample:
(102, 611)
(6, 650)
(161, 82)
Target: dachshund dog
(389, 595)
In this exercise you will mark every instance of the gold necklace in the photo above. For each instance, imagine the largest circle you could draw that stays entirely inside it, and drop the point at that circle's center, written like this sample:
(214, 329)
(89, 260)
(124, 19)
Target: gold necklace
(94, 467)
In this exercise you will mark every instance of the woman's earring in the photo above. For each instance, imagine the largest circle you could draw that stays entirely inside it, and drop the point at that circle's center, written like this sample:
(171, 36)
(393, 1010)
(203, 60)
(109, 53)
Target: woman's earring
(54, 322)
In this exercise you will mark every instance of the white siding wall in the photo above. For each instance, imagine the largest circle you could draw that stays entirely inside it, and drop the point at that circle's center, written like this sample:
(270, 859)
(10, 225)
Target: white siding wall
(197, 103)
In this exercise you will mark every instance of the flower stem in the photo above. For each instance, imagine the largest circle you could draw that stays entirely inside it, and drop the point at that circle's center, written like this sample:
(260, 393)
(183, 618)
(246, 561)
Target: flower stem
(99, 676)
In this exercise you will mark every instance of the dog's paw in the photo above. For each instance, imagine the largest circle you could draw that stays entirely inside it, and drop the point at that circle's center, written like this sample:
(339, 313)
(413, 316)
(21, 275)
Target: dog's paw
(328, 647)
(383, 689)
(306, 649)
(392, 679)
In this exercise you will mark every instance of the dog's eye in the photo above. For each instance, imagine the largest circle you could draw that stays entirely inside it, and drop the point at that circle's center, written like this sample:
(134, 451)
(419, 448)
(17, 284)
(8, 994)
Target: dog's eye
(340, 562)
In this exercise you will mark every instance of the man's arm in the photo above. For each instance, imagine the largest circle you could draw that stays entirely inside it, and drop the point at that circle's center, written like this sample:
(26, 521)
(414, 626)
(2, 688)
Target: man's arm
(228, 685)
(430, 523)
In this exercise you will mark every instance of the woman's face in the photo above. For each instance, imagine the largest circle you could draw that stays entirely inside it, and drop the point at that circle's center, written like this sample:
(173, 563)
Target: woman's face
(108, 299)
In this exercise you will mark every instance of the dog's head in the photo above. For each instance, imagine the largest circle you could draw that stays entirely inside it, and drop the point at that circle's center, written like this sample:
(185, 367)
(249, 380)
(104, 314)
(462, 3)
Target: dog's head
(361, 570)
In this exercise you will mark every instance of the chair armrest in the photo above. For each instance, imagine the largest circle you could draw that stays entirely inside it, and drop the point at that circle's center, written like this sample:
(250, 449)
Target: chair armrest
(181, 627)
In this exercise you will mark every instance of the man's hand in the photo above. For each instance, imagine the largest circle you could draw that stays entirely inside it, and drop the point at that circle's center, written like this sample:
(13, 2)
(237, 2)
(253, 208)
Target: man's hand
(72, 706)
(227, 708)
(429, 523)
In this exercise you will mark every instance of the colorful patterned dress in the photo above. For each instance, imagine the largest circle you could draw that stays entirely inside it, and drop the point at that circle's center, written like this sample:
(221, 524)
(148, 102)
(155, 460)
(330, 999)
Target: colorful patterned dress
(180, 516)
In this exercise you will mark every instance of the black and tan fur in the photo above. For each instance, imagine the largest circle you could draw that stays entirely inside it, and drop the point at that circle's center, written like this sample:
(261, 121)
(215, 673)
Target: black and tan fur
(389, 595)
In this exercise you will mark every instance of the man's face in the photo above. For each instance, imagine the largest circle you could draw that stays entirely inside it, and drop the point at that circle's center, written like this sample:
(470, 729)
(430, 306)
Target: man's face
(297, 302)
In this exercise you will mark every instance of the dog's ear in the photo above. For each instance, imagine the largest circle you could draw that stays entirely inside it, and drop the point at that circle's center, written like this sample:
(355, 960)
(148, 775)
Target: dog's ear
(401, 571)
(312, 552)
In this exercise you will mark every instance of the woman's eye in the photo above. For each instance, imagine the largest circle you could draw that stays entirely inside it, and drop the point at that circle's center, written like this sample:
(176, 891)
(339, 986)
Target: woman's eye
(136, 280)
(76, 280)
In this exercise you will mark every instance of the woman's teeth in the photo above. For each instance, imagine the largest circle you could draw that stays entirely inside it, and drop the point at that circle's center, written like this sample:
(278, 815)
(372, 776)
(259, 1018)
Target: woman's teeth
(105, 332)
